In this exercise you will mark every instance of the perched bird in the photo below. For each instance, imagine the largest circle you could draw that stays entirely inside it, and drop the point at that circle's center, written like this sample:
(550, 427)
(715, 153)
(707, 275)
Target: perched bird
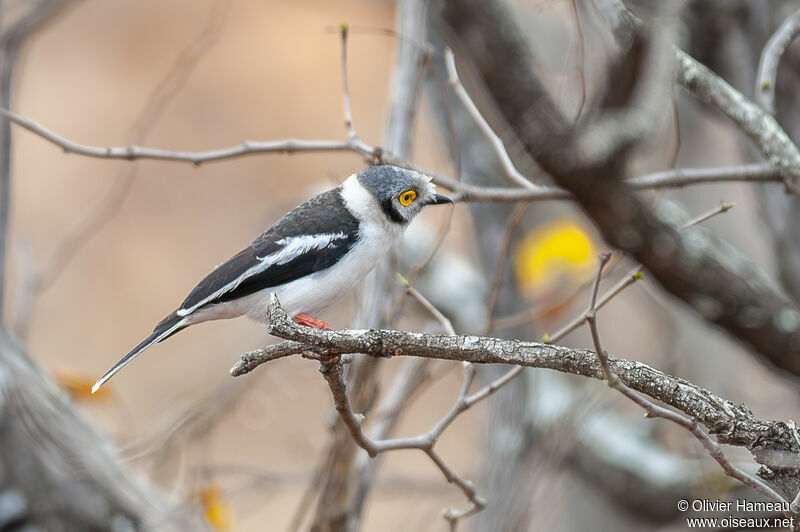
(309, 258)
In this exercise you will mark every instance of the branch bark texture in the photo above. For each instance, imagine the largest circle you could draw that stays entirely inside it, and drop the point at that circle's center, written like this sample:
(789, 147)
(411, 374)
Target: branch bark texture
(733, 424)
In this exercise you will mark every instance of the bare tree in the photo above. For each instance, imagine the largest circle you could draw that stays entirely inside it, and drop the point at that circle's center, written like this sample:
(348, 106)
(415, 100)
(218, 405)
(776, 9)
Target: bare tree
(498, 113)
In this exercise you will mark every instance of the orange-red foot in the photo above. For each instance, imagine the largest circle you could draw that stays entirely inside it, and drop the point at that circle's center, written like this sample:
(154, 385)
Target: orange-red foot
(308, 321)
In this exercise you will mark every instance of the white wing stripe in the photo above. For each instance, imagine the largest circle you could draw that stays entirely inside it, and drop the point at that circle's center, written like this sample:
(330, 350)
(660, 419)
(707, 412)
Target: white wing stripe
(293, 247)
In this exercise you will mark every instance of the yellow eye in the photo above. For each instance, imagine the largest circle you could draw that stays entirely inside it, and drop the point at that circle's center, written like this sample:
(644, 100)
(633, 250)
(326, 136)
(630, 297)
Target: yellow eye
(407, 197)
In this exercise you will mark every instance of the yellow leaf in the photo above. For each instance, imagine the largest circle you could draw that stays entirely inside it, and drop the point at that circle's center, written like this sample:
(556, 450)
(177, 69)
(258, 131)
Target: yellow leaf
(557, 252)
(215, 508)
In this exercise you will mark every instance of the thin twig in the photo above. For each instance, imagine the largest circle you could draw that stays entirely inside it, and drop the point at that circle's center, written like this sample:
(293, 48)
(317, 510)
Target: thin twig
(510, 170)
(446, 324)
(514, 220)
(723, 208)
(131, 153)
(767, 75)
(670, 179)
(333, 373)
(653, 410)
(154, 106)
(348, 111)
(754, 173)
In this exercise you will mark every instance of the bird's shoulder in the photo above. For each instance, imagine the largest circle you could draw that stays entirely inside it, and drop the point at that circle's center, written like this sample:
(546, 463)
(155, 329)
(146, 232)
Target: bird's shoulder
(323, 214)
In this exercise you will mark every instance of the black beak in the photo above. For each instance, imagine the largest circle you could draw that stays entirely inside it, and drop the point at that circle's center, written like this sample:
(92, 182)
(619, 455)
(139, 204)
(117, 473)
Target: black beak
(438, 199)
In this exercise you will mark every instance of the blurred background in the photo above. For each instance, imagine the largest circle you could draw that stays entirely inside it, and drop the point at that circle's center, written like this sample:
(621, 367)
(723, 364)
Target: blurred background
(246, 453)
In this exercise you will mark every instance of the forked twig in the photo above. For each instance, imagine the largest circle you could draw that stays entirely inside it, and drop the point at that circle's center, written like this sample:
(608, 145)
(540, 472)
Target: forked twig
(332, 371)
(652, 410)
(510, 170)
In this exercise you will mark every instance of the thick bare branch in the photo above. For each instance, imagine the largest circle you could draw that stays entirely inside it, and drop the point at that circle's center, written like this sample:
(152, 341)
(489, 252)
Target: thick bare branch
(734, 424)
(718, 282)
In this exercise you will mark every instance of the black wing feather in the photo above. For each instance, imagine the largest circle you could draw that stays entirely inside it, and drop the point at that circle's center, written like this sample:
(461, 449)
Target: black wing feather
(323, 214)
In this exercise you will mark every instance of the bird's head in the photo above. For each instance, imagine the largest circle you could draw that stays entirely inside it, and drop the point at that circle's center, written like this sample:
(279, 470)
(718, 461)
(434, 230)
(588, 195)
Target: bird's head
(401, 193)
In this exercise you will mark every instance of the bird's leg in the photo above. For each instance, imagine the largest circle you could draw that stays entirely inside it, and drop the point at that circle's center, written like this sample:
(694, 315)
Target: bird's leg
(308, 321)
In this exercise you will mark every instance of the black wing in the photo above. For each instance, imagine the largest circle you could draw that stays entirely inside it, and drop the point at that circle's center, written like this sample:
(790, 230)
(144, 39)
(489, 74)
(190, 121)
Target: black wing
(300, 234)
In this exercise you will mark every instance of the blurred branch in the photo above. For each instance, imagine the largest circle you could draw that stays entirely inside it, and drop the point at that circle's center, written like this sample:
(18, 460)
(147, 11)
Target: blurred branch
(498, 273)
(723, 286)
(187, 424)
(74, 238)
(382, 295)
(333, 373)
(70, 478)
(767, 76)
(407, 76)
(762, 128)
(28, 17)
(653, 410)
(581, 57)
(344, 490)
(348, 110)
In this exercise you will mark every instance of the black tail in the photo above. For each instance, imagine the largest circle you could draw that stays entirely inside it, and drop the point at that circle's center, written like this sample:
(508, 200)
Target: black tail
(166, 328)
